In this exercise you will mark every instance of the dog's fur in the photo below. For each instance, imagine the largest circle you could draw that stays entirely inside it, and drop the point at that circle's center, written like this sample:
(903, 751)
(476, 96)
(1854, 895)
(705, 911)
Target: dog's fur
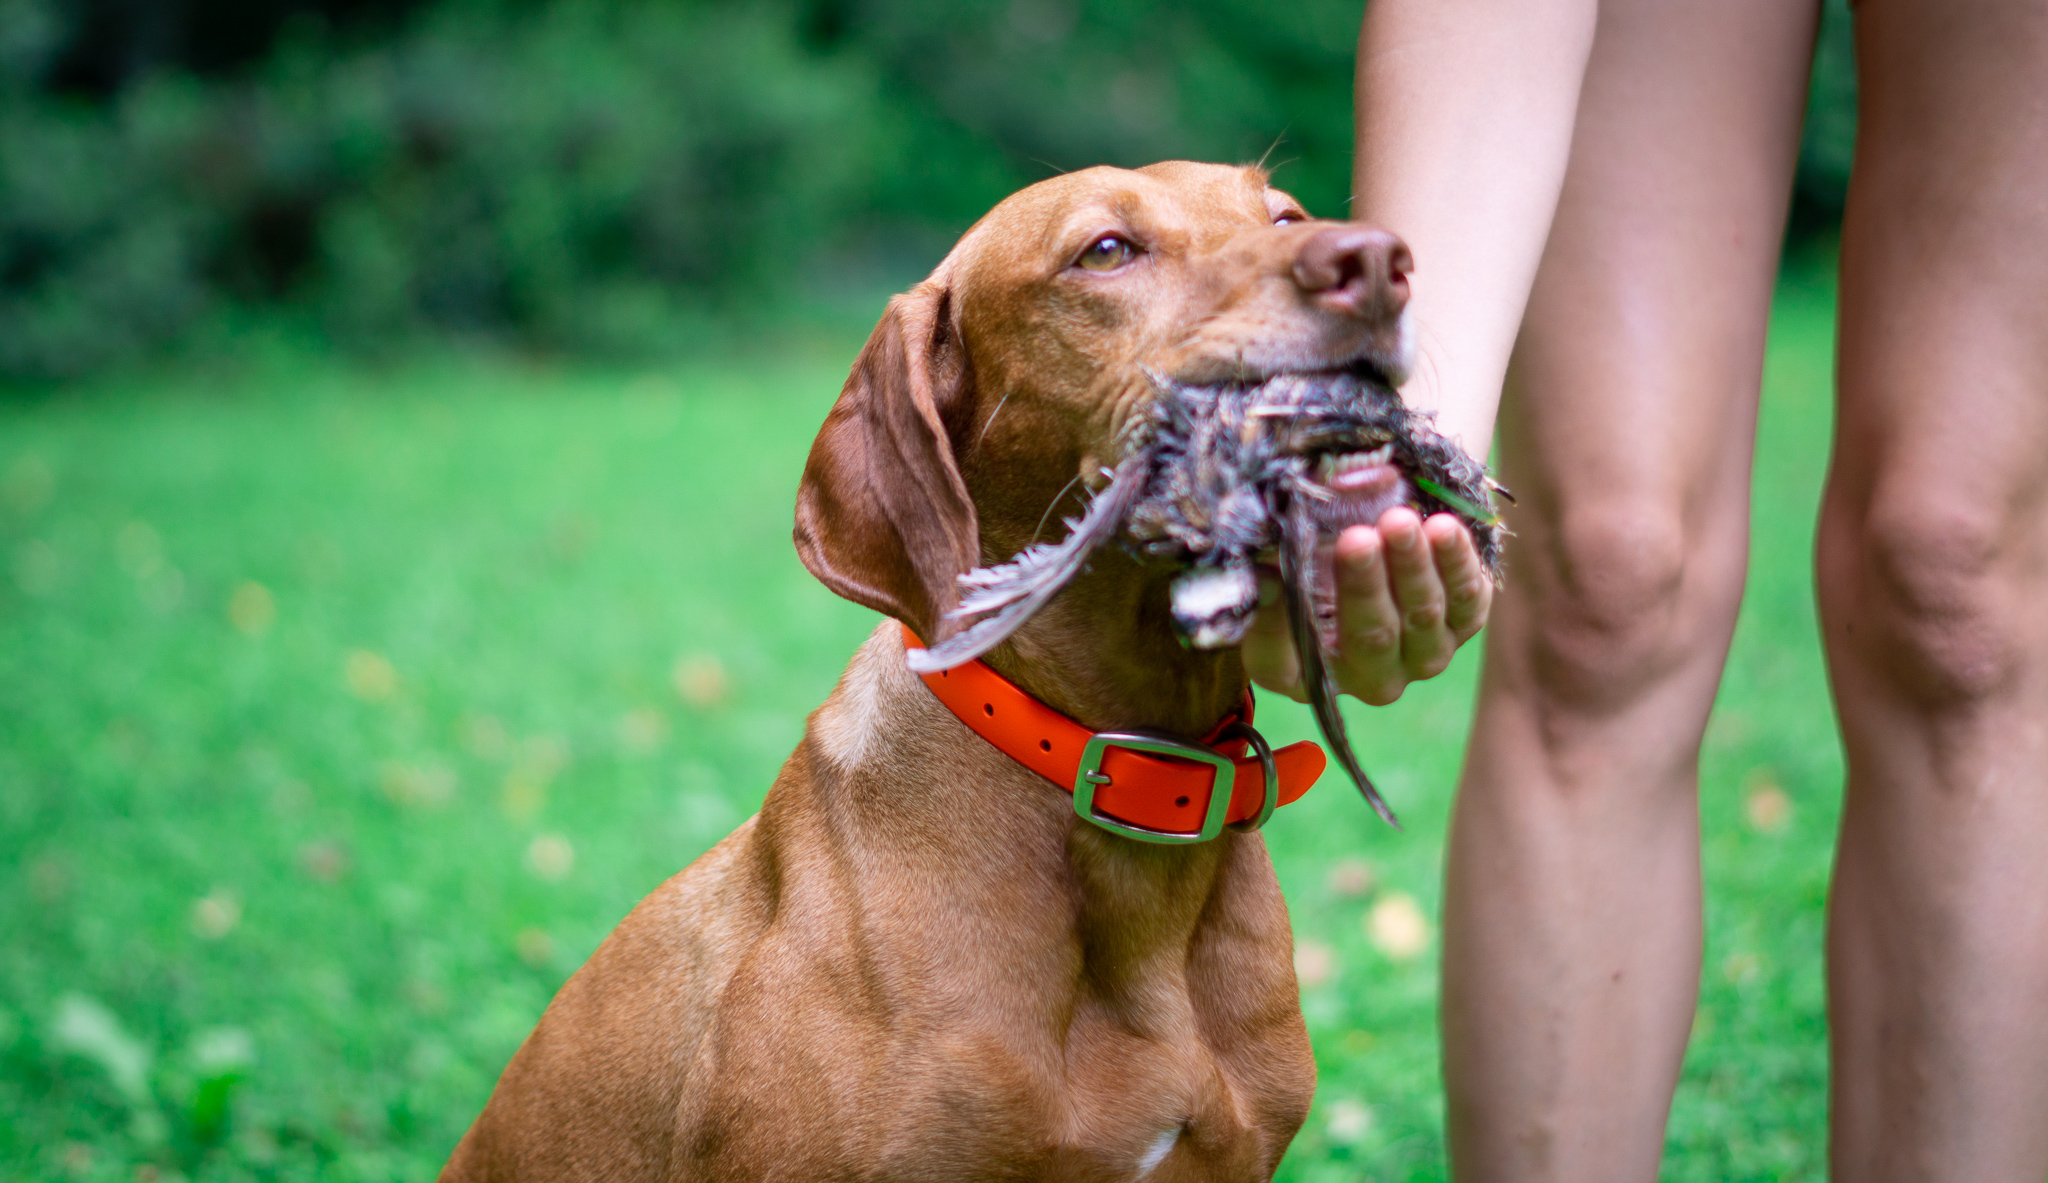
(915, 962)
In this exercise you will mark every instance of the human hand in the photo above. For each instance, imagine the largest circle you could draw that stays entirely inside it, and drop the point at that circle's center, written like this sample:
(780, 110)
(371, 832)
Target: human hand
(1409, 592)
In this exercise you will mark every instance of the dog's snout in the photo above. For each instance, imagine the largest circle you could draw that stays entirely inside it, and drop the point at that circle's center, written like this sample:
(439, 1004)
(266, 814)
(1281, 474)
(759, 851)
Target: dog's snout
(1355, 270)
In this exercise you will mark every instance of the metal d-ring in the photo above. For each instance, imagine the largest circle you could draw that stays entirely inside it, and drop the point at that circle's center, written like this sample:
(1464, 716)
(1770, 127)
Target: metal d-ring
(1244, 731)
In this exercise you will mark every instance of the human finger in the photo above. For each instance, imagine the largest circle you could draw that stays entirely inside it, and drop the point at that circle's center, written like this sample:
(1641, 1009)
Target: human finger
(1268, 652)
(1426, 643)
(1368, 658)
(1468, 588)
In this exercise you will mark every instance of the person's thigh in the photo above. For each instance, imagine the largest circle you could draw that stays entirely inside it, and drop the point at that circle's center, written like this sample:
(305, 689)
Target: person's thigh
(1628, 426)
(1572, 929)
(1933, 566)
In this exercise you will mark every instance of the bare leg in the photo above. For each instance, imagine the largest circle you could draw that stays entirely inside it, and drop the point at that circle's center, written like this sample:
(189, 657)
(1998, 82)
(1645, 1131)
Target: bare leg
(1933, 566)
(1573, 921)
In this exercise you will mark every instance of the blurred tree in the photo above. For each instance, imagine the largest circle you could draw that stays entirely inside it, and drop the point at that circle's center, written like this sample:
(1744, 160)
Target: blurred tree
(563, 173)
(1059, 84)
(573, 174)
(108, 44)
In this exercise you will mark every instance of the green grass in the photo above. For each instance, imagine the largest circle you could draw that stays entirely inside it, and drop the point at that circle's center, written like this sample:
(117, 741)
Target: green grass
(280, 891)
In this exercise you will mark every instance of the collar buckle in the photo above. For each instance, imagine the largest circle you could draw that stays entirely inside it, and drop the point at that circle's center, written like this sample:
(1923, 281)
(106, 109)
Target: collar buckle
(1090, 777)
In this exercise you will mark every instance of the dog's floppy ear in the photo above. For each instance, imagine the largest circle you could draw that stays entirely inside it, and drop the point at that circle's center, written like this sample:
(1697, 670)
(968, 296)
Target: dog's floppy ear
(883, 517)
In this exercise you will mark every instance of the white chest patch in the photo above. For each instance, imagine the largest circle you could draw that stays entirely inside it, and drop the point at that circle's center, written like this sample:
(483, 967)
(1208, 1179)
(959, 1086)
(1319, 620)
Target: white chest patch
(847, 723)
(1156, 1153)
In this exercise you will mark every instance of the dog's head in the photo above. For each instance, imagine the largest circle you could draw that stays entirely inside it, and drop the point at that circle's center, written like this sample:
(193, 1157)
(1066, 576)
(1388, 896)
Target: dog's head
(999, 388)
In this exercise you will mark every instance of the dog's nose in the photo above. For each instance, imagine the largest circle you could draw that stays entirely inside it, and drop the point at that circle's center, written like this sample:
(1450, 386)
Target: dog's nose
(1355, 270)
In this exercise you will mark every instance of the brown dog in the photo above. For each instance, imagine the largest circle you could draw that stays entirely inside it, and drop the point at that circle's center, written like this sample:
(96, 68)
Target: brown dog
(916, 962)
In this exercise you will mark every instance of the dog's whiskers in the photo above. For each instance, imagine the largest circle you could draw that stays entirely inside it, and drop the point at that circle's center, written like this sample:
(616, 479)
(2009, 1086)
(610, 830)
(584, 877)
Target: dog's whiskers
(1195, 328)
(1058, 497)
(992, 415)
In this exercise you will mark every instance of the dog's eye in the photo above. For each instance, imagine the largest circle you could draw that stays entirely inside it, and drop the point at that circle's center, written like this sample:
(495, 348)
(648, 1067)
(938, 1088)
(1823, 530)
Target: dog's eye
(1290, 217)
(1107, 253)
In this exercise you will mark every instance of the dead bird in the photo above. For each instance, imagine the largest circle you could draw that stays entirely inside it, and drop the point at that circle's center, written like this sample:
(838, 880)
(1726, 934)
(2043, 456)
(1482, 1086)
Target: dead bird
(1215, 477)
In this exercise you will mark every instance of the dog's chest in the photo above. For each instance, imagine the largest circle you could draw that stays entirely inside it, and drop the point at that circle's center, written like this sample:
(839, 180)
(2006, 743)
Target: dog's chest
(986, 1097)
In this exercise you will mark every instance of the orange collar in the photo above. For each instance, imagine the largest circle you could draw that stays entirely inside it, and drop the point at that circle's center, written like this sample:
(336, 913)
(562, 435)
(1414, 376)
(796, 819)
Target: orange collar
(1145, 785)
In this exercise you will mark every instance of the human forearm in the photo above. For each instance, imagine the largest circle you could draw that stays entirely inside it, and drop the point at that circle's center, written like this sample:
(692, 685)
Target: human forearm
(1465, 112)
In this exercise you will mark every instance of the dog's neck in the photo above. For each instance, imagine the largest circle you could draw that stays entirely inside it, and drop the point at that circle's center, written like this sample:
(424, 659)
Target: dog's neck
(913, 793)
(1104, 654)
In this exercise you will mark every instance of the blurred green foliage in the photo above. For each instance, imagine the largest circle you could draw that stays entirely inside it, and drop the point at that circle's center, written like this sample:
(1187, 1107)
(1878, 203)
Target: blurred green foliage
(566, 174)
(595, 175)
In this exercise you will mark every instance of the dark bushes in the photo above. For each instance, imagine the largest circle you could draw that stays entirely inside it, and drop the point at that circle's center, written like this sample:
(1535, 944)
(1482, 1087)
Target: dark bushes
(565, 175)
(577, 174)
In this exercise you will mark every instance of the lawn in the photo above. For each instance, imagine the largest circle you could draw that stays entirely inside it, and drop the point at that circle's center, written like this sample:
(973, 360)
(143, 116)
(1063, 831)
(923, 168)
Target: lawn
(344, 710)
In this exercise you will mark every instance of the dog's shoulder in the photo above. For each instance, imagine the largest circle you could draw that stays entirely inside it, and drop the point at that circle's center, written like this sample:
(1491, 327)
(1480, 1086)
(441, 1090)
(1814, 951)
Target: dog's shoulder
(596, 1083)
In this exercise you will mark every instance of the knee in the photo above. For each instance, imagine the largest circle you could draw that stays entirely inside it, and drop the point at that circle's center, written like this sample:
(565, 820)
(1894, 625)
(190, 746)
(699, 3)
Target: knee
(1612, 607)
(1921, 592)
